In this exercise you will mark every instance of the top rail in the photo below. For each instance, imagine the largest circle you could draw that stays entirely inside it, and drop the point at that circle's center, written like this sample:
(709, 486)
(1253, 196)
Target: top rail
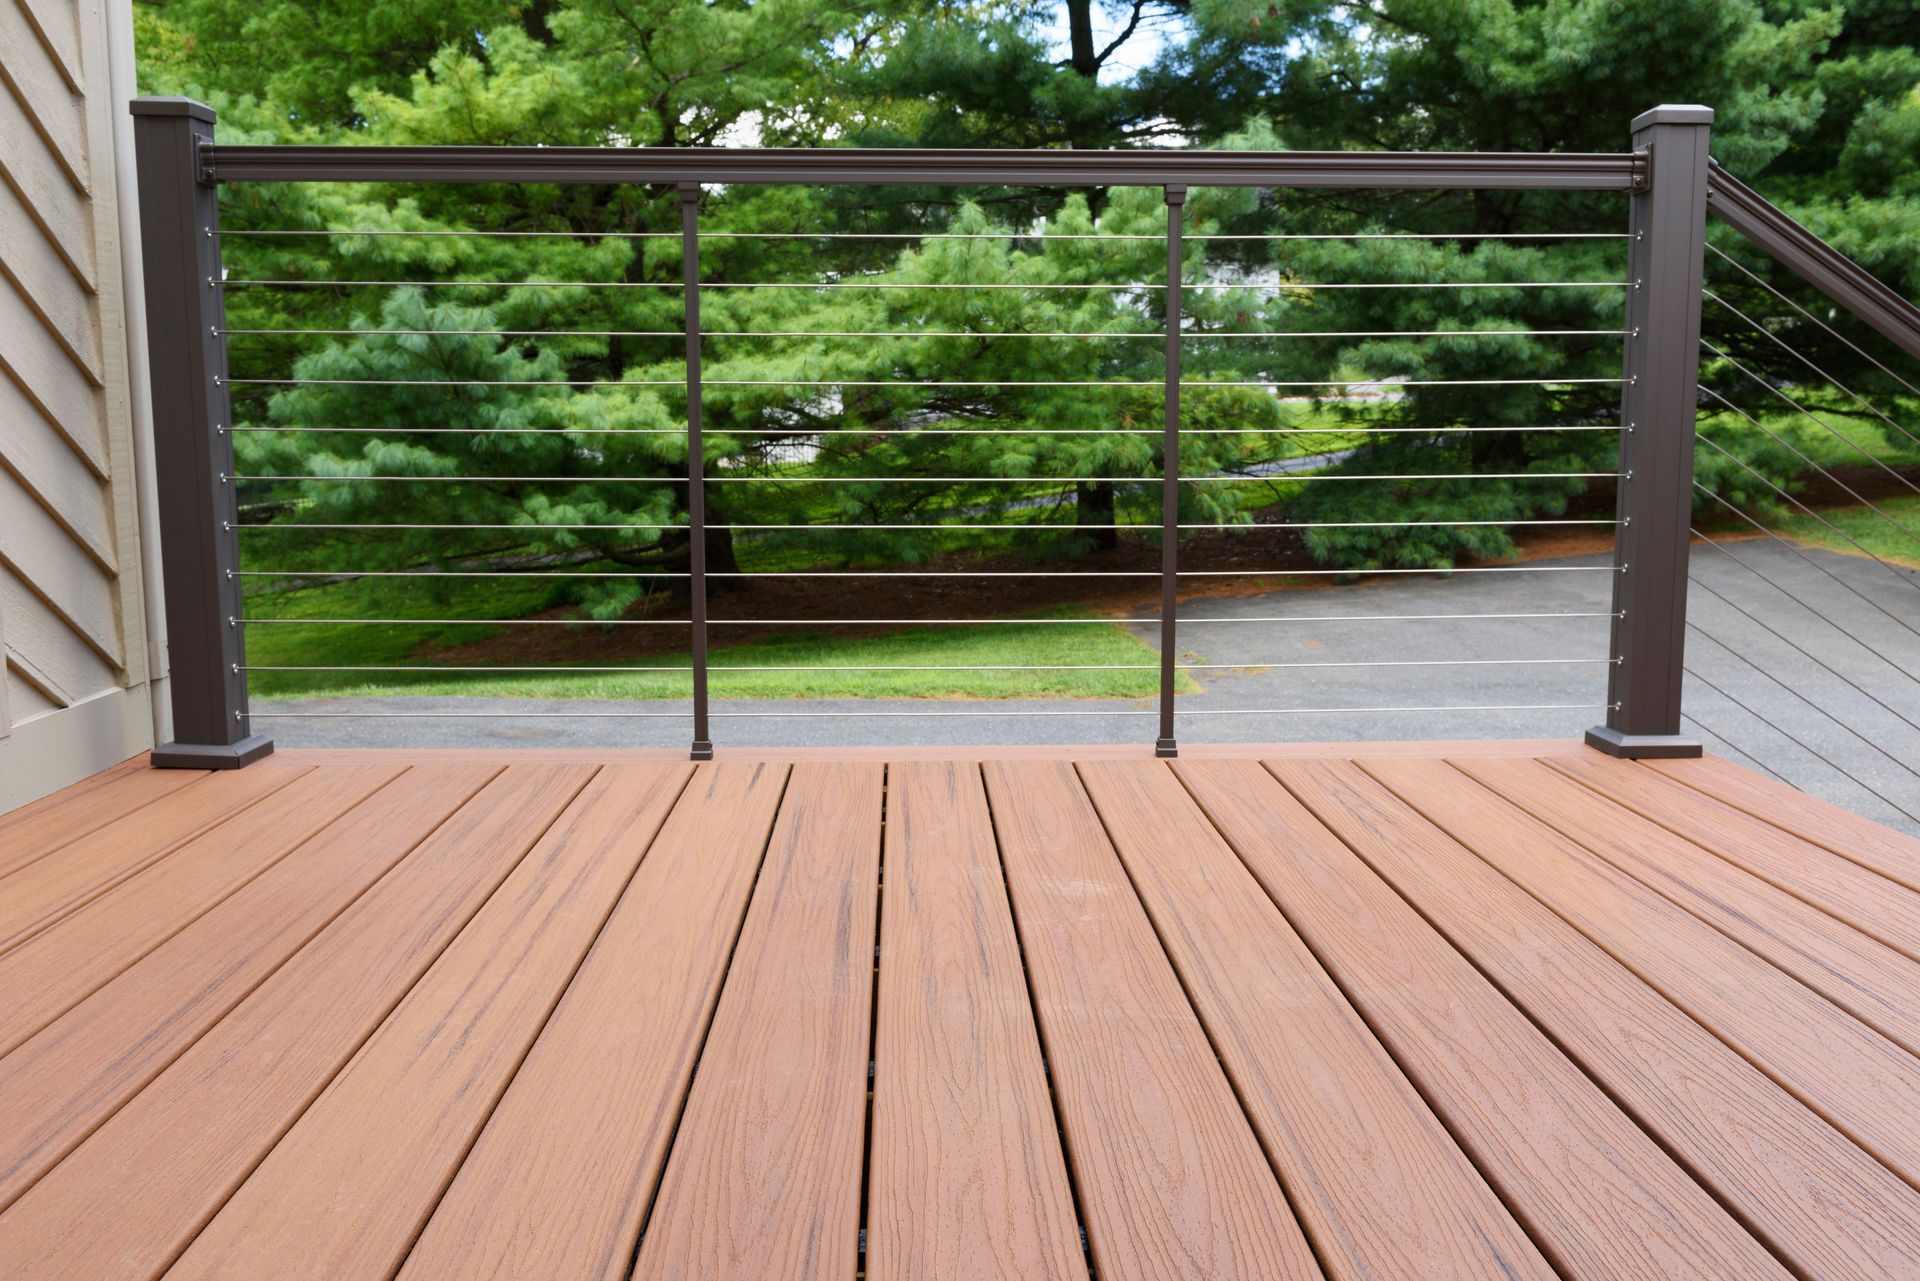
(1813, 260)
(912, 167)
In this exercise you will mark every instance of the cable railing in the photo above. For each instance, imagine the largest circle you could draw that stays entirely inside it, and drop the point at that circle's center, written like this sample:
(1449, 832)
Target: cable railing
(1805, 579)
(873, 454)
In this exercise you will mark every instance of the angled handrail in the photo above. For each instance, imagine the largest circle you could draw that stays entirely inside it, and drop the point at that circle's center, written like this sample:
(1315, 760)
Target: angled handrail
(1813, 259)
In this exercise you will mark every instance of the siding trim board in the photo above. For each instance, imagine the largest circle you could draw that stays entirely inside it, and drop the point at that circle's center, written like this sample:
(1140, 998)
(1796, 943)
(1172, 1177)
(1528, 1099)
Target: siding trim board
(74, 660)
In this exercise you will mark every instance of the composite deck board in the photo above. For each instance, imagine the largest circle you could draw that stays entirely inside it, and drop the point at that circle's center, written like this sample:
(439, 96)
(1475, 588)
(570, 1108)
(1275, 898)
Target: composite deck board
(34, 831)
(1868, 979)
(55, 969)
(764, 1176)
(1381, 1187)
(1430, 1010)
(559, 1180)
(1892, 854)
(1171, 1177)
(135, 1193)
(44, 890)
(1863, 898)
(1597, 1194)
(966, 1174)
(71, 1076)
(346, 1191)
(1859, 1080)
(1823, 1203)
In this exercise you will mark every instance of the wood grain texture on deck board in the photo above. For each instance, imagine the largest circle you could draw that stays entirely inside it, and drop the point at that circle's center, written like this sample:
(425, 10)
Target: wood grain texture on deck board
(1864, 899)
(43, 891)
(72, 1075)
(764, 1177)
(55, 969)
(1863, 1083)
(131, 1197)
(350, 1186)
(1819, 1199)
(38, 829)
(1596, 1193)
(1868, 979)
(1381, 1187)
(966, 1176)
(1171, 1176)
(1870, 844)
(559, 1180)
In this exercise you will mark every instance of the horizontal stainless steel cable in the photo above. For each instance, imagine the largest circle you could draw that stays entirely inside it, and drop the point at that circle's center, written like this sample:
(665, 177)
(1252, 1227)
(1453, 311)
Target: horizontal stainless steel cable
(1423, 235)
(584, 670)
(842, 715)
(1768, 579)
(1836, 334)
(678, 716)
(1277, 477)
(1049, 527)
(1851, 443)
(801, 434)
(258, 714)
(1787, 347)
(1800, 649)
(1459, 707)
(681, 573)
(1915, 538)
(918, 667)
(250, 233)
(890, 573)
(1751, 759)
(345, 232)
(924, 333)
(597, 384)
(453, 333)
(1829, 761)
(894, 284)
(1795, 549)
(900, 622)
(1364, 573)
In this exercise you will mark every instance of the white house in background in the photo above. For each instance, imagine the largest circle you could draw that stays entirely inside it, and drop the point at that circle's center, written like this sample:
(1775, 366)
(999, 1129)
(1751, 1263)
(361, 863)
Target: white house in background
(80, 624)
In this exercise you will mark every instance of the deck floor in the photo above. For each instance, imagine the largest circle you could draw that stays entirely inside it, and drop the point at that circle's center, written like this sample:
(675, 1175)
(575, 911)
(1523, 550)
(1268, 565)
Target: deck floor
(1424, 1013)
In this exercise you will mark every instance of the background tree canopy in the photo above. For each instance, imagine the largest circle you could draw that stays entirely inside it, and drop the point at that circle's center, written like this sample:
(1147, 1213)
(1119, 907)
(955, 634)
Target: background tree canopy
(1819, 107)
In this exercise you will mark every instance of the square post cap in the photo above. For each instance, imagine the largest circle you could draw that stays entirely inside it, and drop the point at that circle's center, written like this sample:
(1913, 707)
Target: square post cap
(1673, 114)
(171, 107)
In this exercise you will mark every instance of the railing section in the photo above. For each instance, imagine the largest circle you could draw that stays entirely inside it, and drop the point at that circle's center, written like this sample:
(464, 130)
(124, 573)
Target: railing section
(1804, 622)
(1664, 177)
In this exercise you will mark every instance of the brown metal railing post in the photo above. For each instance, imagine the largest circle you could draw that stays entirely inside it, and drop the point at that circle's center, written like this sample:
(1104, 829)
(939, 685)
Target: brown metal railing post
(1167, 744)
(1658, 407)
(193, 448)
(702, 749)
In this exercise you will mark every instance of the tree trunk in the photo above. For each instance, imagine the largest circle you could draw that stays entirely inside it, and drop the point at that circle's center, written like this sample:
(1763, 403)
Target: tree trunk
(1093, 505)
(1080, 37)
(721, 560)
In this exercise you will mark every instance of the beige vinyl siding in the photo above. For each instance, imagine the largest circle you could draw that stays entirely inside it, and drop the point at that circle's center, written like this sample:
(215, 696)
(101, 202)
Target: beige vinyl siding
(72, 630)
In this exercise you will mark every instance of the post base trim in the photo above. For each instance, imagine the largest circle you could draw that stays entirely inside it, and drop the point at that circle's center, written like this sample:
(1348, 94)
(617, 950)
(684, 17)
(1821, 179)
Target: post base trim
(1643, 747)
(702, 750)
(212, 755)
(1166, 748)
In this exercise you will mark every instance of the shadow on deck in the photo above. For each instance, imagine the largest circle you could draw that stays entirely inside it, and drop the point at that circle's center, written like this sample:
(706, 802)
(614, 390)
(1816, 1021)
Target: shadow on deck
(1432, 1011)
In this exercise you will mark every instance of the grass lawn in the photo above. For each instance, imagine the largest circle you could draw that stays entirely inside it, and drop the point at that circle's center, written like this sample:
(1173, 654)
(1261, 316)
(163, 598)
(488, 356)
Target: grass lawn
(288, 644)
(1865, 527)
